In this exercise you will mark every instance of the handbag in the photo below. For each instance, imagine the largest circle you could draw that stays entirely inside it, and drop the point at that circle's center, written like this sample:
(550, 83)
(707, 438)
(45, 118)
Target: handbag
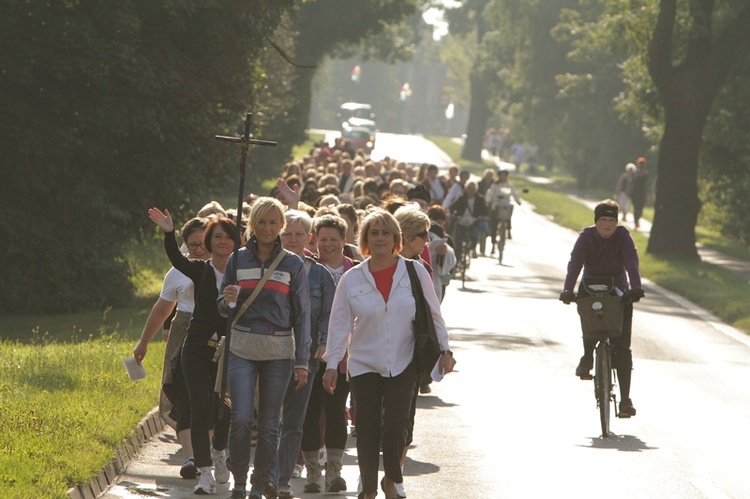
(426, 346)
(221, 347)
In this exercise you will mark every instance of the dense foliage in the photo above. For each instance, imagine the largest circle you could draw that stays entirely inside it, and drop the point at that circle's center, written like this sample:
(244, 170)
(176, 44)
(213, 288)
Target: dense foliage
(618, 80)
(109, 108)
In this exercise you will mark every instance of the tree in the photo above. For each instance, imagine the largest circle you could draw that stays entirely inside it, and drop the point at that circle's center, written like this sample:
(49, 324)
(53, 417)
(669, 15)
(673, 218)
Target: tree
(110, 108)
(688, 76)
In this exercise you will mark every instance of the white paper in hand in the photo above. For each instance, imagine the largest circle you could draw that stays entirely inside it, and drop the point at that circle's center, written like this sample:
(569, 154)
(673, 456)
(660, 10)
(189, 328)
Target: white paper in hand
(437, 374)
(136, 371)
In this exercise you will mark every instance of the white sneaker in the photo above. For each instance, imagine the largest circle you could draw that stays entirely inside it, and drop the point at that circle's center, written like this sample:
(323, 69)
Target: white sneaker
(400, 493)
(221, 472)
(206, 484)
(297, 472)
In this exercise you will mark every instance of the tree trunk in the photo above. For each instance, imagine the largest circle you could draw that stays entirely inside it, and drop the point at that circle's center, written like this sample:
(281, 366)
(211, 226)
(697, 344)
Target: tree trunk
(479, 113)
(677, 204)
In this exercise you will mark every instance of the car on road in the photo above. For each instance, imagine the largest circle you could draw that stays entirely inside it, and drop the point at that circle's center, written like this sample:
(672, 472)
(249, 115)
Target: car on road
(358, 137)
(357, 114)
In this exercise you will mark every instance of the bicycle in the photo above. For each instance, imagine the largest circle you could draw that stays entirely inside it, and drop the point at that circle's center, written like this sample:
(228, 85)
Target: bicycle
(463, 263)
(504, 212)
(601, 314)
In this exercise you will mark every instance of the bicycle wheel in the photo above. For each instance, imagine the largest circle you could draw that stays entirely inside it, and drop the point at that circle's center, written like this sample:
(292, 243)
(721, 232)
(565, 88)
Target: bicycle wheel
(603, 385)
(502, 231)
(466, 257)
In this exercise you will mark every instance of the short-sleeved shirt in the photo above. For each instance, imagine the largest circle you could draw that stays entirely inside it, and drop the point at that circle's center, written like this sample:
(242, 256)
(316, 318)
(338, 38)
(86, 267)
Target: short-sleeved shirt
(177, 287)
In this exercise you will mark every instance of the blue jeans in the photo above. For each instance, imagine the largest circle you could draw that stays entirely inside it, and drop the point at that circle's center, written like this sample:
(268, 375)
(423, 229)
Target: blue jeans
(292, 418)
(272, 377)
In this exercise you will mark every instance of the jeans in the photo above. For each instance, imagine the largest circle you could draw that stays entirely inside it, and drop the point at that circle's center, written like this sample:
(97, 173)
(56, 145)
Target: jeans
(386, 400)
(199, 371)
(292, 419)
(272, 378)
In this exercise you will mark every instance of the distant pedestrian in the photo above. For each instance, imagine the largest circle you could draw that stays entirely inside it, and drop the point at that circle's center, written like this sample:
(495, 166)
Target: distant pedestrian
(639, 191)
(623, 188)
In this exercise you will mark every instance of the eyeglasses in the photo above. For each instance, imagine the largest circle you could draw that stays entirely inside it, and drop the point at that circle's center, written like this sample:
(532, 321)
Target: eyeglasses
(424, 235)
(194, 246)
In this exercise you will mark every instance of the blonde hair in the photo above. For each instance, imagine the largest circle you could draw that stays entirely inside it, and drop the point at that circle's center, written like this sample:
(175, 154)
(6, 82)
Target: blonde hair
(412, 220)
(261, 207)
(387, 222)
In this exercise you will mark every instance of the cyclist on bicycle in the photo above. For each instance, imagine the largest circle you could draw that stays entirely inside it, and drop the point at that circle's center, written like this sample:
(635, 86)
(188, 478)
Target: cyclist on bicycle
(469, 214)
(608, 250)
(499, 199)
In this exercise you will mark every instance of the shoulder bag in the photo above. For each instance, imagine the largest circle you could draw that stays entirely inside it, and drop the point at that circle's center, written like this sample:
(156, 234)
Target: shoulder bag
(220, 355)
(426, 346)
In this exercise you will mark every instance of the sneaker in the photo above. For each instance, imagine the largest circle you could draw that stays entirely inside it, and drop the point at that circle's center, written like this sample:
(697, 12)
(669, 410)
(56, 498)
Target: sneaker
(221, 473)
(286, 494)
(238, 494)
(297, 472)
(334, 481)
(583, 370)
(400, 493)
(626, 408)
(188, 469)
(313, 477)
(206, 485)
(425, 388)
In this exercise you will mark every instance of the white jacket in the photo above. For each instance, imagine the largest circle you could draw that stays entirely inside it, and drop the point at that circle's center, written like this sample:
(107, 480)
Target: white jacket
(379, 335)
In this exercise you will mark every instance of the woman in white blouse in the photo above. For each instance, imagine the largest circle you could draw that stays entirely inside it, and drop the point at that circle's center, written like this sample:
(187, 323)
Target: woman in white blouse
(372, 315)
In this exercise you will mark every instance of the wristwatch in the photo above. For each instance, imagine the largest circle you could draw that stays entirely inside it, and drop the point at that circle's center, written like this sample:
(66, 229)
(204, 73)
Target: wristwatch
(446, 352)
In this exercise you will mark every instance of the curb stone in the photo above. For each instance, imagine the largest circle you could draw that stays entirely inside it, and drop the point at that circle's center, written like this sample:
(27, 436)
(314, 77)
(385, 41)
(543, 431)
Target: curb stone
(148, 427)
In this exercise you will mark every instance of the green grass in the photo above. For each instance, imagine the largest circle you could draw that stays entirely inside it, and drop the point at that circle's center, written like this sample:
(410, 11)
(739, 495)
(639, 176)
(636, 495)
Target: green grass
(63, 409)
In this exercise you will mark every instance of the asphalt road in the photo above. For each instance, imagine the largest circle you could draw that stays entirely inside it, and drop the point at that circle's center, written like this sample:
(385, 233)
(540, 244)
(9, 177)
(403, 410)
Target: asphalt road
(514, 422)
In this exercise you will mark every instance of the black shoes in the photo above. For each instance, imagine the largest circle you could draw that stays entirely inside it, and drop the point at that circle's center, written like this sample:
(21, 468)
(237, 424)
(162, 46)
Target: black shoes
(626, 408)
(583, 370)
(188, 469)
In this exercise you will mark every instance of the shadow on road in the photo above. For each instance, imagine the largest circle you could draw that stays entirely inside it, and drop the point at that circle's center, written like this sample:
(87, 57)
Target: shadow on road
(498, 341)
(624, 443)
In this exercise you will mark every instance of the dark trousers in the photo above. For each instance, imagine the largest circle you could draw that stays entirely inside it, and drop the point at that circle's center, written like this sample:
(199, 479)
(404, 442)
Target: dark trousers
(388, 400)
(334, 408)
(199, 371)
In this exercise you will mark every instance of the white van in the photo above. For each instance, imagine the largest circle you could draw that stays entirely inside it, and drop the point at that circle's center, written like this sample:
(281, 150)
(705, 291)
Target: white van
(356, 114)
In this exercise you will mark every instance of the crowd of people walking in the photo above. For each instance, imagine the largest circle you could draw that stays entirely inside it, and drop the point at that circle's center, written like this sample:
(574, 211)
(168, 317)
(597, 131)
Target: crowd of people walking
(322, 291)
(322, 333)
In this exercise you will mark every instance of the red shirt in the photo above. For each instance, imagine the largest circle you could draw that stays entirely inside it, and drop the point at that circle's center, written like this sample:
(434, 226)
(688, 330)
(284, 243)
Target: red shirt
(384, 280)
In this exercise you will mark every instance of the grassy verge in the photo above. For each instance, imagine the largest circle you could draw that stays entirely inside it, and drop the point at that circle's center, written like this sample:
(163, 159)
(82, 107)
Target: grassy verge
(63, 409)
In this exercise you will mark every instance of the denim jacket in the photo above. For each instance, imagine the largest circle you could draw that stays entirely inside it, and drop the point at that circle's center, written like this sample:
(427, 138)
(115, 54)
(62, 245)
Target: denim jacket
(322, 290)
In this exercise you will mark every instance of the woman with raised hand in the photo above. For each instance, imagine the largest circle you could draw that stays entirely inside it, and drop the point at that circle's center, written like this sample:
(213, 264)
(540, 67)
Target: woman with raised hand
(269, 345)
(177, 288)
(372, 315)
(204, 331)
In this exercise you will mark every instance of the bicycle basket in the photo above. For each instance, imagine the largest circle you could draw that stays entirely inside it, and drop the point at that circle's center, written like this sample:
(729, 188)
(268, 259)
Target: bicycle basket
(600, 316)
(504, 211)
